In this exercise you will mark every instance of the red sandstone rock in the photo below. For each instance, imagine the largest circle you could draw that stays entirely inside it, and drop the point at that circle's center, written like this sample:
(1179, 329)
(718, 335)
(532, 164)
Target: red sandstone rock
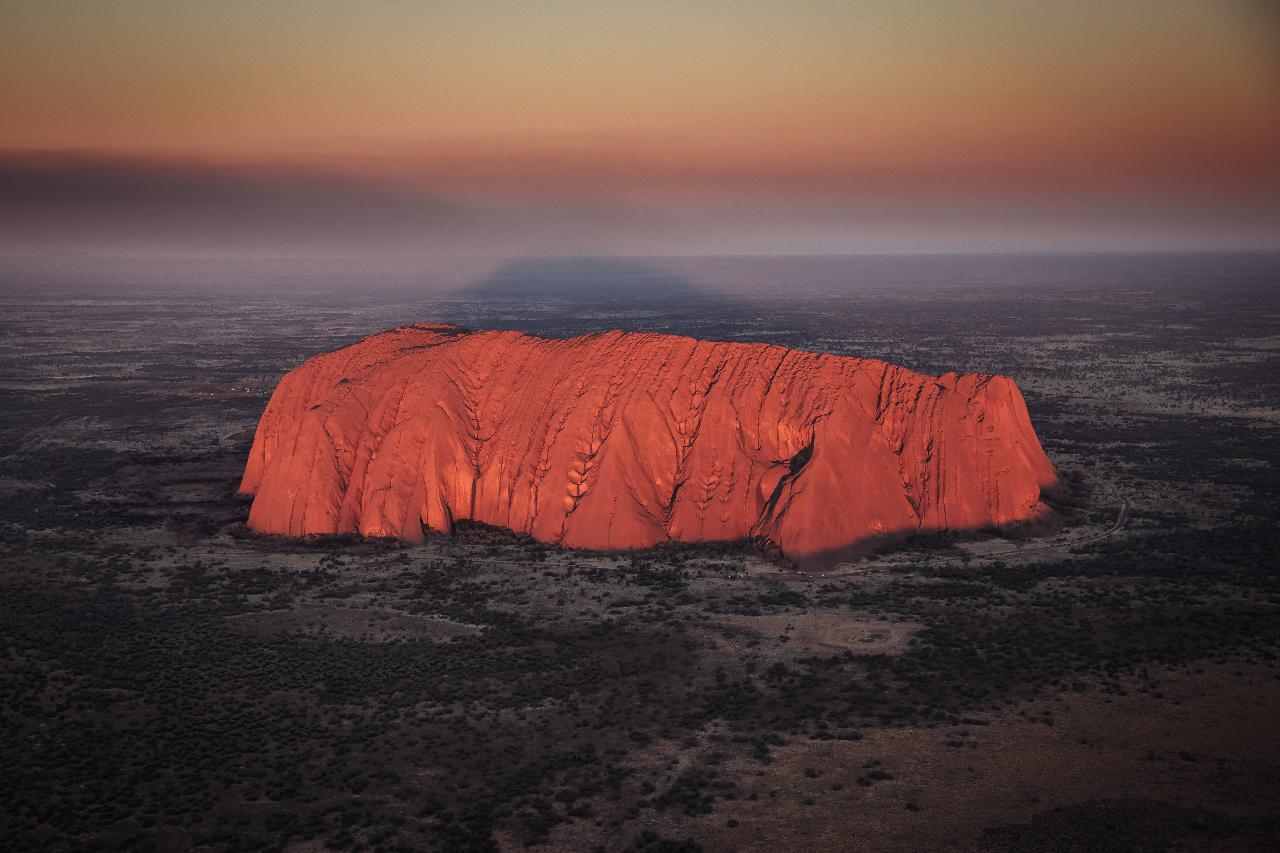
(620, 440)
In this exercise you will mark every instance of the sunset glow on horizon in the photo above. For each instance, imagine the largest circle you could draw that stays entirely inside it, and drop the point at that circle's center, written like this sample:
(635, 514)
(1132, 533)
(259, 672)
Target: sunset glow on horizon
(699, 127)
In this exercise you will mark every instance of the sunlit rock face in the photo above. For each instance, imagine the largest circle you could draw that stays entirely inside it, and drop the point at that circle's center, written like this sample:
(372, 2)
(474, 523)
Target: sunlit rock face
(625, 440)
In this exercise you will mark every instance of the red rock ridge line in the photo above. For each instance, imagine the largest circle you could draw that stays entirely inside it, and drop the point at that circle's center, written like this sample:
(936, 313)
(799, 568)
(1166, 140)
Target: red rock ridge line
(627, 440)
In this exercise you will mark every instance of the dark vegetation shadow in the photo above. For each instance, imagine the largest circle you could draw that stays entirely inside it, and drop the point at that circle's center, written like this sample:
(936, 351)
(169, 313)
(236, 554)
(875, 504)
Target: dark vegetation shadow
(1111, 826)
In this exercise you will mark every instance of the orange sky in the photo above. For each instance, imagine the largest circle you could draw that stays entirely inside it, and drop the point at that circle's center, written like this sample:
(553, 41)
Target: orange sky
(790, 108)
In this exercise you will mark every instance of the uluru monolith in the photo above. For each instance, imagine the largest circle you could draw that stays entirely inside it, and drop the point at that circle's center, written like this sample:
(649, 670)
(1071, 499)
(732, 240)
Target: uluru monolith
(627, 440)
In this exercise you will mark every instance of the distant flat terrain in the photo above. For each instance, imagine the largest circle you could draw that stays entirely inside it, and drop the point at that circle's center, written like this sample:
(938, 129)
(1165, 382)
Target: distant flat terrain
(172, 681)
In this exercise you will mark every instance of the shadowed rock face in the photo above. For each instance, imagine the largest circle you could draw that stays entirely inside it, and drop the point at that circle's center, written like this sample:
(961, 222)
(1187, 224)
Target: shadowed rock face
(620, 440)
